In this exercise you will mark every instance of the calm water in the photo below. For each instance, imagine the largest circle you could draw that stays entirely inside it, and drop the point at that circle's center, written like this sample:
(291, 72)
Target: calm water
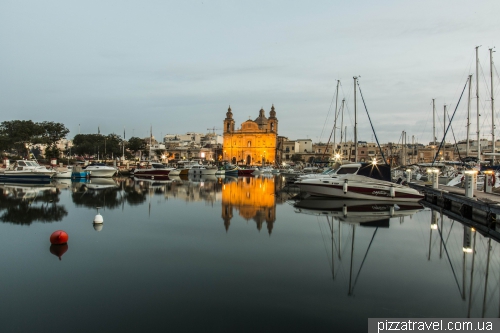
(230, 255)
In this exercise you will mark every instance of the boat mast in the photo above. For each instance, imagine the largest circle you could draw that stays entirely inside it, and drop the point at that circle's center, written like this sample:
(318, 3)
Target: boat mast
(150, 141)
(342, 122)
(444, 131)
(335, 122)
(477, 108)
(433, 121)
(355, 123)
(492, 108)
(468, 116)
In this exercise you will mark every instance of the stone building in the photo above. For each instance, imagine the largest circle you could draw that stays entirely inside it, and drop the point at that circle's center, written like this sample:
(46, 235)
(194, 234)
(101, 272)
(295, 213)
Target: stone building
(254, 143)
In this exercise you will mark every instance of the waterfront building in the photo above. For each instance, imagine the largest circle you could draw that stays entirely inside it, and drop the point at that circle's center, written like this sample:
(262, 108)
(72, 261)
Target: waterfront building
(254, 143)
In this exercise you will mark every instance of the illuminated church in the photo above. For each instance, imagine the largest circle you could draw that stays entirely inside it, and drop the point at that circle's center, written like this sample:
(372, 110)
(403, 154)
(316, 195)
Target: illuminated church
(254, 143)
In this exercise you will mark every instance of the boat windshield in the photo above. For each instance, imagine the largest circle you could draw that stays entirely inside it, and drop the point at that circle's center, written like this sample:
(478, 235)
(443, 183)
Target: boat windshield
(32, 163)
(158, 166)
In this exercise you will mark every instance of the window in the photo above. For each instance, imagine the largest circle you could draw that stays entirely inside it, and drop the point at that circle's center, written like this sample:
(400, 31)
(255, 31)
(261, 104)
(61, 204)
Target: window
(293, 148)
(287, 157)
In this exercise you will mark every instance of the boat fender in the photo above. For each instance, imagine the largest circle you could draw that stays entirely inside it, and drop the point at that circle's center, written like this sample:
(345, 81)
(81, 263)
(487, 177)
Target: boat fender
(392, 192)
(345, 187)
(344, 210)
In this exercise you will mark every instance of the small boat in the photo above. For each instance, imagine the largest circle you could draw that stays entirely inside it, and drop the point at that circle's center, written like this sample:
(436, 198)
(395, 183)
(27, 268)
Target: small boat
(26, 171)
(246, 171)
(263, 170)
(201, 170)
(230, 169)
(100, 170)
(153, 171)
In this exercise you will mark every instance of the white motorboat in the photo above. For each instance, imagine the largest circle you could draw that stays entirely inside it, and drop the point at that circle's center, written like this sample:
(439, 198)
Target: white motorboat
(350, 186)
(100, 170)
(263, 170)
(201, 170)
(26, 171)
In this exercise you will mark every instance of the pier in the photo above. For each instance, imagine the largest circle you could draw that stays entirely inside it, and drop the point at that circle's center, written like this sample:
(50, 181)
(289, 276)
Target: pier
(481, 212)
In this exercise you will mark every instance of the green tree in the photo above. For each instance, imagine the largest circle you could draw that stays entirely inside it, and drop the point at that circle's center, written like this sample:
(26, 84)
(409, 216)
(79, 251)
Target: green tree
(296, 158)
(136, 144)
(19, 135)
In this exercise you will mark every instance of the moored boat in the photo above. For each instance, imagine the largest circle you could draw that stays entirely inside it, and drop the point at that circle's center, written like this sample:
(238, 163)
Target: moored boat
(26, 171)
(100, 170)
(153, 171)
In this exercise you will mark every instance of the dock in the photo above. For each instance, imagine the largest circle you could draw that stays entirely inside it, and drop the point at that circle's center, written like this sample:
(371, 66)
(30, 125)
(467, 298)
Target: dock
(481, 212)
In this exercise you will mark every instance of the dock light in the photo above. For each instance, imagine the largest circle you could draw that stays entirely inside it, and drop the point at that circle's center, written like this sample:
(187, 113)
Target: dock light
(472, 229)
(374, 162)
(337, 156)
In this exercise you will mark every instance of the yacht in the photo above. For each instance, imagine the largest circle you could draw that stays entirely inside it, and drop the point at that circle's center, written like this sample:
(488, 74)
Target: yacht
(26, 171)
(100, 170)
(369, 182)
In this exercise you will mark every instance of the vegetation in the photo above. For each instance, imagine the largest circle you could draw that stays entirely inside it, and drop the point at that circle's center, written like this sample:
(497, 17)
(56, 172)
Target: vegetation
(104, 146)
(21, 135)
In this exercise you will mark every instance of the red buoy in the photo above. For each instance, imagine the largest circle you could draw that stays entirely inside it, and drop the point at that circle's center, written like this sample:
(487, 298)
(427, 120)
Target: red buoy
(59, 237)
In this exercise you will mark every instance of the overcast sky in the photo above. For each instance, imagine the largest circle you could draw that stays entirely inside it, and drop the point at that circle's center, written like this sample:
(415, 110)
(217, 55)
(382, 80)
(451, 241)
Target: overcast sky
(178, 65)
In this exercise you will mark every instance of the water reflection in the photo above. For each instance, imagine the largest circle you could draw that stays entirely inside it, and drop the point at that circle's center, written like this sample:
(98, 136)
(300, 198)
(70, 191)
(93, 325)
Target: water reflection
(253, 198)
(24, 204)
(470, 261)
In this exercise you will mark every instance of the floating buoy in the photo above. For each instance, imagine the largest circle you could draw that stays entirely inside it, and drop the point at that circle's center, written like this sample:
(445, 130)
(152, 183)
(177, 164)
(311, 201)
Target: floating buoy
(98, 219)
(59, 237)
(58, 249)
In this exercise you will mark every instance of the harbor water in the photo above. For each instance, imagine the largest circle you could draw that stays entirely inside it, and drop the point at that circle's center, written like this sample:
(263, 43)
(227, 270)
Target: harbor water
(230, 254)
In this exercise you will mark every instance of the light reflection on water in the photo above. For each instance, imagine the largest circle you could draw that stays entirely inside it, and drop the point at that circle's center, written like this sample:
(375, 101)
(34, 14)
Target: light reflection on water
(231, 254)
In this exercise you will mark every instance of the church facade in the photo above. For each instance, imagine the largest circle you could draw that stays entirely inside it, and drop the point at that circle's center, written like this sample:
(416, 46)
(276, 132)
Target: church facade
(254, 143)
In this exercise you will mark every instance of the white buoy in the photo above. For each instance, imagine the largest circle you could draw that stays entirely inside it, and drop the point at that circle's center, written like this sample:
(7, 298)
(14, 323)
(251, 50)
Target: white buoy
(98, 219)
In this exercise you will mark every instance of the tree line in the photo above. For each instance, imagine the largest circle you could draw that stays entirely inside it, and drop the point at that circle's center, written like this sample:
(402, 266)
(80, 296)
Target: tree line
(21, 137)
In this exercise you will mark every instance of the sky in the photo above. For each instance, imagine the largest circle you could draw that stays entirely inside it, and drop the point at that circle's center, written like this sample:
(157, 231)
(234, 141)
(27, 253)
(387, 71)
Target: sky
(176, 66)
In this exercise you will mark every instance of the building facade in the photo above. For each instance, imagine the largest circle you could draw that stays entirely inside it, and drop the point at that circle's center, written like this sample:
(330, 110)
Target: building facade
(254, 143)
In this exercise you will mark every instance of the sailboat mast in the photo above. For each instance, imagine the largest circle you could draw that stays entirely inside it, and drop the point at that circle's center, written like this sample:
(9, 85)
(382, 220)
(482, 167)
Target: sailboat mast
(335, 122)
(477, 107)
(468, 116)
(492, 107)
(342, 122)
(434, 121)
(444, 132)
(150, 140)
(355, 123)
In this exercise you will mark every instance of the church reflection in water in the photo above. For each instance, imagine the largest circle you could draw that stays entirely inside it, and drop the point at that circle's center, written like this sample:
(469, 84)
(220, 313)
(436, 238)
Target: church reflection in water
(253, 198)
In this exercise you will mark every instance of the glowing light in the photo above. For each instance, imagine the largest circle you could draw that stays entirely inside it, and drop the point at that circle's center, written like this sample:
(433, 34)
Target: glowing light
(467, 250)
(434, 226)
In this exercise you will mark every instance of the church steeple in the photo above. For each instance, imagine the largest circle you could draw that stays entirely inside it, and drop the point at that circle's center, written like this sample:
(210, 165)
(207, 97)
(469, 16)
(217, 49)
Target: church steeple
(273, 121)
(229, 121)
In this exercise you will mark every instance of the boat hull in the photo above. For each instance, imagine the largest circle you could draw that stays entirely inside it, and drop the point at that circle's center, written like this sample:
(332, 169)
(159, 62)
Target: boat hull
(357, 190)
